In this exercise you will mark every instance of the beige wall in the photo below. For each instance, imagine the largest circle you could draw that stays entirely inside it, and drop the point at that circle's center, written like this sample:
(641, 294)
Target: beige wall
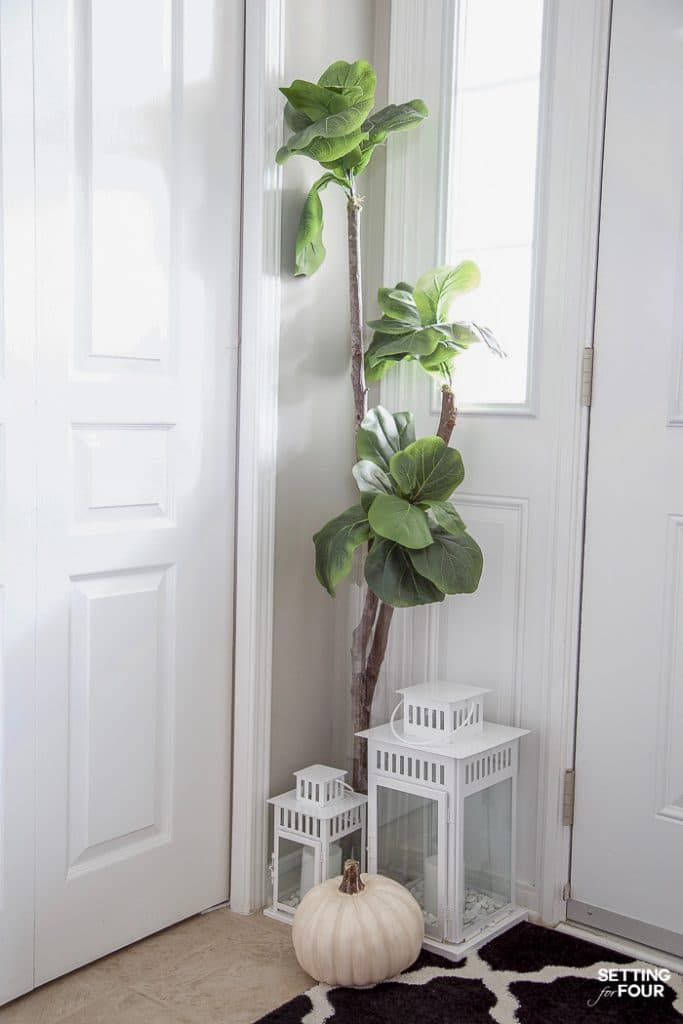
(315, 446)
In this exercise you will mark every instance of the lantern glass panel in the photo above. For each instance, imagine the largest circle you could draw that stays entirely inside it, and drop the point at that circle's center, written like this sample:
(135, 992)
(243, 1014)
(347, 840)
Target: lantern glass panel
(349, 847)
(407, 846)
(296, 871)
(487, 852)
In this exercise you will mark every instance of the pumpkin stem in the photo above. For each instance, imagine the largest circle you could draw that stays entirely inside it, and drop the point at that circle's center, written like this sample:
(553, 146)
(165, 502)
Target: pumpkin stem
(351, 882)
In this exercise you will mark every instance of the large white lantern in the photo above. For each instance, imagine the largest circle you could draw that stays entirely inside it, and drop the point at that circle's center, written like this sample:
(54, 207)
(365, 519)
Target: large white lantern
(442, 796)
(318, 825)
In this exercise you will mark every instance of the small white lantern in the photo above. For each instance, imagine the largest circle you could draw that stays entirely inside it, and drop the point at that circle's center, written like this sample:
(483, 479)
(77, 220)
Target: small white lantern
(442, 795)
(317, 826)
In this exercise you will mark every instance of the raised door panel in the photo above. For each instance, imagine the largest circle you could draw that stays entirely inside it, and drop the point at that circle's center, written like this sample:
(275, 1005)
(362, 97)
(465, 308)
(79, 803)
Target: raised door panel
(137, 229)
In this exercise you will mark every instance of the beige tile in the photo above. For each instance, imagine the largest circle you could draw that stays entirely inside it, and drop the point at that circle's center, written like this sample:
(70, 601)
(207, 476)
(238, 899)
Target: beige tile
(230, 983)
(52, 1002)
(123, 1007)
(161, 953)
(216, 967)
(233, 981)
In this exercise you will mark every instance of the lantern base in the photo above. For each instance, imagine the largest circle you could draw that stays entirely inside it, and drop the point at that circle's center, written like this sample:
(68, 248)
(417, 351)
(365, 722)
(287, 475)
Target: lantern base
(456, 950)
(279, 915)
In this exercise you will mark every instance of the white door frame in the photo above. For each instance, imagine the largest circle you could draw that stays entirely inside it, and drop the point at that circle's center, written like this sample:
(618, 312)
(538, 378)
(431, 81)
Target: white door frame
(579, 79)
(257, 451)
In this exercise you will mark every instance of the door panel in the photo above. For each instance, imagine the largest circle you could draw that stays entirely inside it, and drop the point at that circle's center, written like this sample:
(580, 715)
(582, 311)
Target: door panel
(628, 835)
(138, 107)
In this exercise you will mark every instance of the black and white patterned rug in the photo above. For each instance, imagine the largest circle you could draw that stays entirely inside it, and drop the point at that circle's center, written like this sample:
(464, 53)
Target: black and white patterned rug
(529, 975)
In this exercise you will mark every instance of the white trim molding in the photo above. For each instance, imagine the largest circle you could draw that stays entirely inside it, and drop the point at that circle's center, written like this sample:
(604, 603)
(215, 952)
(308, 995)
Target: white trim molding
(257, 458)
(574, 81)
(576, 141)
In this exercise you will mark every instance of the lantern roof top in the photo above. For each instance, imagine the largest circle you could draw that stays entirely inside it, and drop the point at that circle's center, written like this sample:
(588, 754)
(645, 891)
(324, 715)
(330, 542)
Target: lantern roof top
(442, 691)
(320, 773)
(324, 812)
(458, 747)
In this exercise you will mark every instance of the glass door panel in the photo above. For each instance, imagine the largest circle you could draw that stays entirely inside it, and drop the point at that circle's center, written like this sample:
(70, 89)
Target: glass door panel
(408, 827)
(297, 871)
(487, 853)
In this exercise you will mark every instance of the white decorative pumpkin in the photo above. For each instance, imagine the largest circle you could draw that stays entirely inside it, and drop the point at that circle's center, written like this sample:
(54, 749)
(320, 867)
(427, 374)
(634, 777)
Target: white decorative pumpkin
(357, 931)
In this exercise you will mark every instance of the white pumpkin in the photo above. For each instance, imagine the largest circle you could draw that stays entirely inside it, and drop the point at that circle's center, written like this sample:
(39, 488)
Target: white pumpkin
(357, 930)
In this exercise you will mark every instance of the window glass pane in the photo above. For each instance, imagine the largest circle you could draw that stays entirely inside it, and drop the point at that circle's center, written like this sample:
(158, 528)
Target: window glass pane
(501, 40)
(295, 872)
(503, 301)
(407, 846)
(487, 853)
(492, 186)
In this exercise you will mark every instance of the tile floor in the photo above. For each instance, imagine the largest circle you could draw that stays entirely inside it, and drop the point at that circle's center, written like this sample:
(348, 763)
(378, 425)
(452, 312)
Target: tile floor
(219, 968)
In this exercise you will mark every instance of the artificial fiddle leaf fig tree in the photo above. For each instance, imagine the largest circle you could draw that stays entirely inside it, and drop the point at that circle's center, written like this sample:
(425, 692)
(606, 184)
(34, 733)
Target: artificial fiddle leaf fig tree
(418, 548)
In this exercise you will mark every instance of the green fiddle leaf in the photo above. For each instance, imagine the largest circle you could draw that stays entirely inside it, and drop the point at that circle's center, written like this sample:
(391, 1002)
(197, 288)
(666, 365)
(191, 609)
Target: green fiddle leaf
(315, 101)
(362, 159)
(295, 120)
(324, 150)
(309, 248)
(372, 355)
(453, 563)
(435, 290)
(399, 305)
(375, 371)
(371, 481)
(394, 118)
(335, 544)
(391, 575)
(395, 519)
(380, 123)
(445, 515)
(391, 325)
(382, 434)
(342, 75)
(345, 123)
(416, 343)
(427, 470)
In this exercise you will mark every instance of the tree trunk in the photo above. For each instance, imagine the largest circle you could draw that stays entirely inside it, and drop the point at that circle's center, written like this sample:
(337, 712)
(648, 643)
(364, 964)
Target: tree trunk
(370, 678)
(448, 414)
(360, 391)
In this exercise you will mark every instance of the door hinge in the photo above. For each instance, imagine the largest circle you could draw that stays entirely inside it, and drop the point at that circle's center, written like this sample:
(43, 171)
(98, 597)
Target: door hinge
(566, 891)
(587, 377)
(568, 797)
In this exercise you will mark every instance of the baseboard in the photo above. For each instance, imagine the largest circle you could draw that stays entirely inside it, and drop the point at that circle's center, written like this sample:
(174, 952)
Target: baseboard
(625, 946)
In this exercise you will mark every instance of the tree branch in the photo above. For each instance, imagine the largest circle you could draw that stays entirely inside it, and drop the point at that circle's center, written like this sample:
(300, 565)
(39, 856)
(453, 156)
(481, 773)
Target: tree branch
(448, 414)
(370, 677)
(363, 632)
(360, 391)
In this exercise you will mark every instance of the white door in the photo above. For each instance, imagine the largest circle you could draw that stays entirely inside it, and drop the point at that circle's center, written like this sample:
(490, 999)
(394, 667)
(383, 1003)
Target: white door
(627, 846)
(126, 430)
(17, 501)
(526, 79)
